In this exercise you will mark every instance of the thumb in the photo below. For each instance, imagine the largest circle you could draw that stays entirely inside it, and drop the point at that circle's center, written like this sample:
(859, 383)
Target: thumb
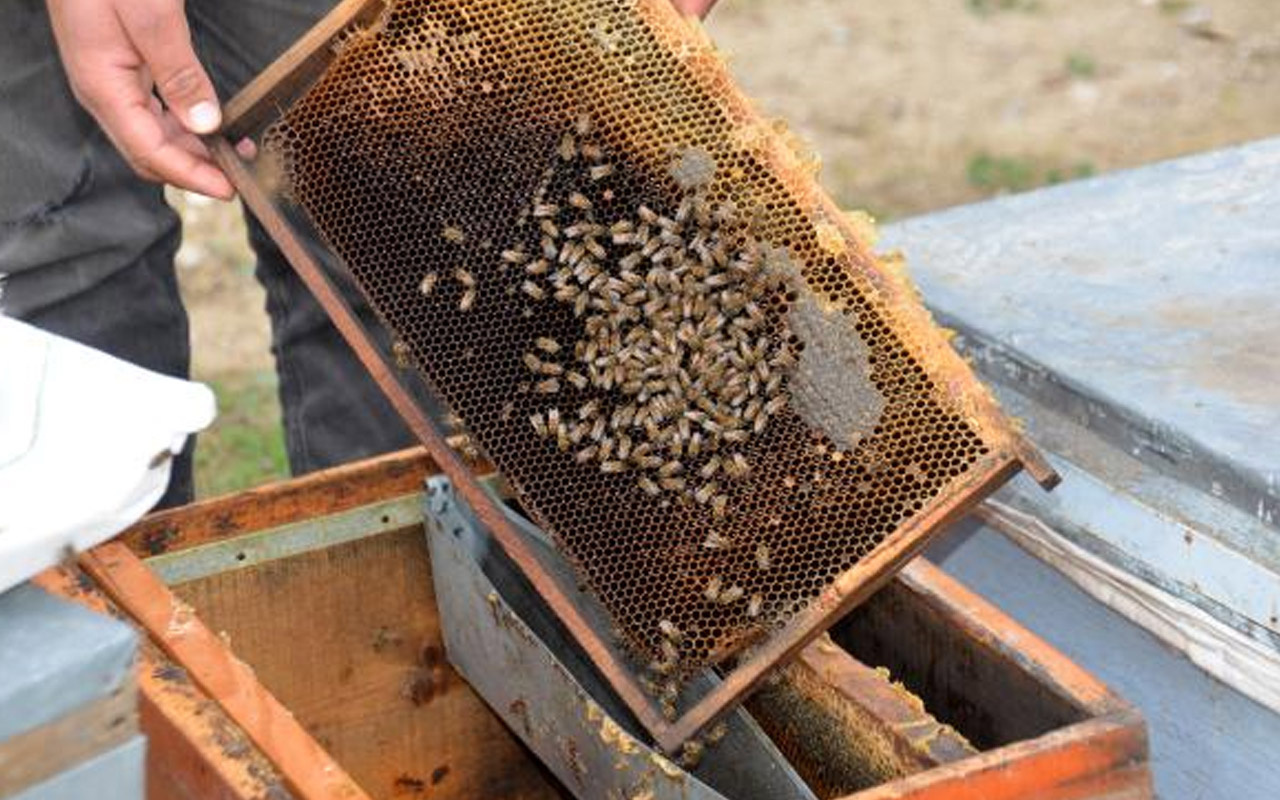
(158, 29)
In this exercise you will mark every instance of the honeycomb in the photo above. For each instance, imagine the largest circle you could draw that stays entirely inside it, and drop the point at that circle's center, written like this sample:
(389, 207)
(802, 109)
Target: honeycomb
(637, 301)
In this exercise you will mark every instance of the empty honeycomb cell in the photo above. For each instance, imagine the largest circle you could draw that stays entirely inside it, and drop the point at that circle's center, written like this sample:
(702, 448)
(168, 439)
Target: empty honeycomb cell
(593, 255)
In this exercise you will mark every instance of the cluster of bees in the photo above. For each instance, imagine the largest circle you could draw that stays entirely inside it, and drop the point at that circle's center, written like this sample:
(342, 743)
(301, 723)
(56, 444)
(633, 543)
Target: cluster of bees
(677, 366)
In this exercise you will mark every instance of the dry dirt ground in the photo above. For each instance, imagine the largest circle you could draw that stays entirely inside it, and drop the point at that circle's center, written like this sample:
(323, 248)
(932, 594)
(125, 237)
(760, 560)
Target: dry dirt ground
(913, 105)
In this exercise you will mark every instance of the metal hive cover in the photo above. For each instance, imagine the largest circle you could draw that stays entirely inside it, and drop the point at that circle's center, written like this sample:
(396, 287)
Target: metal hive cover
(732, 418)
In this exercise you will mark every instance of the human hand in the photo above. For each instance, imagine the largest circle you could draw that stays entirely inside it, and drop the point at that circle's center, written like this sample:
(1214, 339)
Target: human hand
(118, 54)
(697, 8)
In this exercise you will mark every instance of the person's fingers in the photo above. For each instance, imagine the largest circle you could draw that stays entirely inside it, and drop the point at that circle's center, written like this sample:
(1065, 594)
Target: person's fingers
(159, 32)
(696, 8)
(162, 151)
(247, 149)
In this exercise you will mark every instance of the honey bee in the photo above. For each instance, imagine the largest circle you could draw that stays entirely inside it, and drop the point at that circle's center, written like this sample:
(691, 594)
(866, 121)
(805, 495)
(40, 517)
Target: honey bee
(716, 733)
(668, 710)
(738, 465)
(694, 447)
(539, 424)
(551, 368)
(595, 248)
(403, 354)
(731, 595)
(532, 362)
(428, 284)
(775, 405)
(763, 560)
(648, 486)
(549, 249)
(514, 256)
(613, 467)
(705, 492)
(783, 359)
(592, 152)
(538, 267)
(568, 148)
(754, 605)
(691, 753)
(547, 344)
(465, 278)
(548, 386)
(672, 484)
(578, 380)
(580, 201)
(647, 214)
(600, 171)
(719, 506)
(670, 632)
(716, 541)
(712, 592)
(533, 290)
(549, 228)
(669, 468)
(586, 454)
(709, 469)
(468, 300)
(453, 235)
(582, 124)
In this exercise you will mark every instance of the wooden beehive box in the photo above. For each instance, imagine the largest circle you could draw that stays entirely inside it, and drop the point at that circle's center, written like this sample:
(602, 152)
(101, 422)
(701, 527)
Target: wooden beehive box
(294, 644)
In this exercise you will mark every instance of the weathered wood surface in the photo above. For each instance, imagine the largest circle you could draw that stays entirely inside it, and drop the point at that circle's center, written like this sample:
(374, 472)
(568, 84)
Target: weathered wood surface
(256, 104)
(294, 500)
(845, 726)
(193, 749)
(343, 634)
(348, 637)
(306, 768)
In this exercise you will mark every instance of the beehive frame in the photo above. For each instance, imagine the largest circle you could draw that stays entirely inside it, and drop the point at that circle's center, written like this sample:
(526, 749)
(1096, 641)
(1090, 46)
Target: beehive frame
(997, 454)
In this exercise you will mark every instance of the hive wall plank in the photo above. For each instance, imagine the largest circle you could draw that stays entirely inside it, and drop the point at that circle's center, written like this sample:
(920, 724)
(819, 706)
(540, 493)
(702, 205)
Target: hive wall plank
(349, 639)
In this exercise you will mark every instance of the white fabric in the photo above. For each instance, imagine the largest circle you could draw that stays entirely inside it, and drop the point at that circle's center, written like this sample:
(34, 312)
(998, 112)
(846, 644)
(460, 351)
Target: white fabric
(84, 445)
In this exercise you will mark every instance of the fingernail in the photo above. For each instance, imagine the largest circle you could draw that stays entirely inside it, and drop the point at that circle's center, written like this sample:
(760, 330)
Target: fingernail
(204, 117)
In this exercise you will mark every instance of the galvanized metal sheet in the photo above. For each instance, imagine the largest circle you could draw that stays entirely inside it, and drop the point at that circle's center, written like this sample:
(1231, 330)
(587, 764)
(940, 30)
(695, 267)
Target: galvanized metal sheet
(511, 650)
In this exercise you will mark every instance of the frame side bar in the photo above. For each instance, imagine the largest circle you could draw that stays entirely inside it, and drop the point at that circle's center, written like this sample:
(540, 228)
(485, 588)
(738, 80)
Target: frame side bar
(302, 62)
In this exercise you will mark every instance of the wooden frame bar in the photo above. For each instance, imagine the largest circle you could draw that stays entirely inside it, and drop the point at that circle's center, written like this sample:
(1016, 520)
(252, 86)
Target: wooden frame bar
(173, 627)
(193, 748)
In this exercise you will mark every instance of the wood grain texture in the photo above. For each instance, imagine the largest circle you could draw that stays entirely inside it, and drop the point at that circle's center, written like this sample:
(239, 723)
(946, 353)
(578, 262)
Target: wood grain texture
(307, 769)
(1101, 759)
(349, 639)
(283, 502)
(194, 751)
(845, 726)
(256, 104)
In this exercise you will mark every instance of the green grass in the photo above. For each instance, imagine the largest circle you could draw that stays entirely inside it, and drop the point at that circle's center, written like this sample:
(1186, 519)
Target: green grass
(999, 174)
(245, 445)
(986, 8)
(1081, 65)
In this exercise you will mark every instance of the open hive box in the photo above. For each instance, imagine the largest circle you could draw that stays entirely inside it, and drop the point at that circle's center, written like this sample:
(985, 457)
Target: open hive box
(293, 647)
(624, 286)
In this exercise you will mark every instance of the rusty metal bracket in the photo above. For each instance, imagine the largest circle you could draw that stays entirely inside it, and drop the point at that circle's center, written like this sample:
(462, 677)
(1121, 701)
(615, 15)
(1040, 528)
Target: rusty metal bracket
(510, 648)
